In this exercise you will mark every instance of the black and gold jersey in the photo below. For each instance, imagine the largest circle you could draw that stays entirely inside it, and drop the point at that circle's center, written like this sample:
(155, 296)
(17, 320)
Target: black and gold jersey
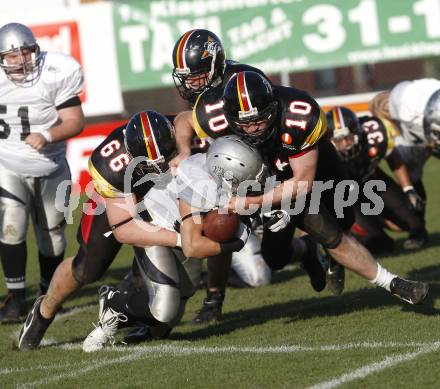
(108, 163)
(378, 143)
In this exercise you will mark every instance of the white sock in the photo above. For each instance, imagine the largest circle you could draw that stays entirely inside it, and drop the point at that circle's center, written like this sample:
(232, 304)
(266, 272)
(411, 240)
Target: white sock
(383, 278)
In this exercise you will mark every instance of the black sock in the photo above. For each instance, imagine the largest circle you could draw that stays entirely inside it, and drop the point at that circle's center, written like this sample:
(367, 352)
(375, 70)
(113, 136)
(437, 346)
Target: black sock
(48, 266)
(13, 258)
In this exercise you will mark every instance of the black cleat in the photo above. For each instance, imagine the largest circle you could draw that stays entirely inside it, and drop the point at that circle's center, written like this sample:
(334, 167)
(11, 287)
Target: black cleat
(34, 328)
(335, 275)
(13, 310)
(211, 309)
(311, 262)
(146, 333)
(416, 241)
(413, 292)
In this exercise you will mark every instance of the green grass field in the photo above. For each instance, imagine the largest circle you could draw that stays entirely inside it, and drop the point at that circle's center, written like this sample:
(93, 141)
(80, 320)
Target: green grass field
(282, 335)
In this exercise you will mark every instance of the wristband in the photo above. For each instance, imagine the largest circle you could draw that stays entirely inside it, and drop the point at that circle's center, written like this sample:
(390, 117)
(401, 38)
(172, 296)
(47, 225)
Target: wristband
(233, 246)
(179, 240)
(47, 135)
(408, 188)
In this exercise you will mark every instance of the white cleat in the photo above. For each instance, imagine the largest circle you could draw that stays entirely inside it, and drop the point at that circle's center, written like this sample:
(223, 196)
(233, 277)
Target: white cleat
(104, 331)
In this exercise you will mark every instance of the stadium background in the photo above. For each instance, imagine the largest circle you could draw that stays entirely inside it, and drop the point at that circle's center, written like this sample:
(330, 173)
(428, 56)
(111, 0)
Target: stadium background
(340, 52)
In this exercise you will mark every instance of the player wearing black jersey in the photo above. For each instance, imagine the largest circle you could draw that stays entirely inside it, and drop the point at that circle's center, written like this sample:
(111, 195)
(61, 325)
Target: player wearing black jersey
(148, 134)
(290, 129)
(362, 143)
(200, 65)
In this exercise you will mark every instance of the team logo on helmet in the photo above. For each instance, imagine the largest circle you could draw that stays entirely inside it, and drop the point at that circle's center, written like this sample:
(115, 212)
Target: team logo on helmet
(211, 47)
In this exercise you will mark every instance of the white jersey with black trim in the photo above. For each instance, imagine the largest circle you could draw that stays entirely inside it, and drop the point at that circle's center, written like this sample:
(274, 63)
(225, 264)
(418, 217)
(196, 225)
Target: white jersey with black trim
(407, 104)
(32, 108)
(193, 184)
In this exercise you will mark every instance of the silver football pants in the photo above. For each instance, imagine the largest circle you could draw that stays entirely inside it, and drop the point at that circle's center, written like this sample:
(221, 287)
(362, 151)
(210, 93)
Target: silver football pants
(170, 279)
(249, 265)
(36, 196)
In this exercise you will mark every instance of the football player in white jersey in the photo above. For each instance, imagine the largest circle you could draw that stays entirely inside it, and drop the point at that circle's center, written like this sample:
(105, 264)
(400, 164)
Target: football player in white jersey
(39, 110)
(169, 276)
(414, 107)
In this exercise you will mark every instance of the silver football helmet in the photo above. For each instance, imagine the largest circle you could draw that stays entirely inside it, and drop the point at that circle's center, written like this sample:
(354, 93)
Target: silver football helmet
(232, 161)
(431, 123)
(19, 42)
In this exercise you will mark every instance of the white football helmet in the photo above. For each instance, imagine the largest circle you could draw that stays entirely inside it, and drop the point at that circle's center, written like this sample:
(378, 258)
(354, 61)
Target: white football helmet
(19, 41)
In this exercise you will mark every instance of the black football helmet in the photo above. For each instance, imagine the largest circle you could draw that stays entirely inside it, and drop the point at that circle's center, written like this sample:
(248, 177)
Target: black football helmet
(150, 140)
(343, 124)
(197, 53)
(249, 100)
(431, 123)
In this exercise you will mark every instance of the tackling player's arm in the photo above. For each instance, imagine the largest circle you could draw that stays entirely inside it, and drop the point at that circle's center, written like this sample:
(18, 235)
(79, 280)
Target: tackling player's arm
(184, 134)
(304, 169)
(136, 232)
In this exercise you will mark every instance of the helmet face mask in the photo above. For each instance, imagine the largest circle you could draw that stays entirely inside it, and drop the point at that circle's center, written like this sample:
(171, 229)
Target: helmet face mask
(431, 123)
(20, 55)
(250, 107)
(199, 62)
(345, 132)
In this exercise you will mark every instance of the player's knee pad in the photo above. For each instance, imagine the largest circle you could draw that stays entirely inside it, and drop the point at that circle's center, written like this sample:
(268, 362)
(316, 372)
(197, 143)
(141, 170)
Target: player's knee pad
(87, 268)
(323, 228)
(13, 223)
(165, 302)
(161, 273)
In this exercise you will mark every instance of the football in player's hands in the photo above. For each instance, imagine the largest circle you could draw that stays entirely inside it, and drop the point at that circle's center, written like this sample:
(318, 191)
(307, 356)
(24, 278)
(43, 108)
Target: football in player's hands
(220, 225)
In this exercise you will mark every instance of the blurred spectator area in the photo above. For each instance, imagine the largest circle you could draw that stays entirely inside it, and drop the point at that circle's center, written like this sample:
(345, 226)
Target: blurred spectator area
(323, 83)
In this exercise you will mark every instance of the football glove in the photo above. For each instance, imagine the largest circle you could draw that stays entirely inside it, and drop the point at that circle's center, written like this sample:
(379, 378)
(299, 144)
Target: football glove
(276, 220)
(414, 198)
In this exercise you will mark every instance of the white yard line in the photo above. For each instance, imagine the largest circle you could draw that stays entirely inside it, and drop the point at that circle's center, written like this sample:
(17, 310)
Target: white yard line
(375, 367)
(186, 350)
(138, 352)
(83, 370)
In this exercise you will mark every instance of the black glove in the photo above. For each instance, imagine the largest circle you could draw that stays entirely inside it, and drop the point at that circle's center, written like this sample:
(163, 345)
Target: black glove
(238, 242)
(416, 201)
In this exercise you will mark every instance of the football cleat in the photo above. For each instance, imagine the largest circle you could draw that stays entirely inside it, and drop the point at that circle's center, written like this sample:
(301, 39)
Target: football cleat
(147, 333)
(34, 328)
(311, 262)
(13, 310)
(211, 309)
(413, 292)
(416, 241)
(104, 331)
(335, 276)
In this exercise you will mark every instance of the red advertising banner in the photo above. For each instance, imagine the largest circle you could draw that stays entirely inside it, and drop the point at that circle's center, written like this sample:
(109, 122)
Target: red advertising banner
(60, 37)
